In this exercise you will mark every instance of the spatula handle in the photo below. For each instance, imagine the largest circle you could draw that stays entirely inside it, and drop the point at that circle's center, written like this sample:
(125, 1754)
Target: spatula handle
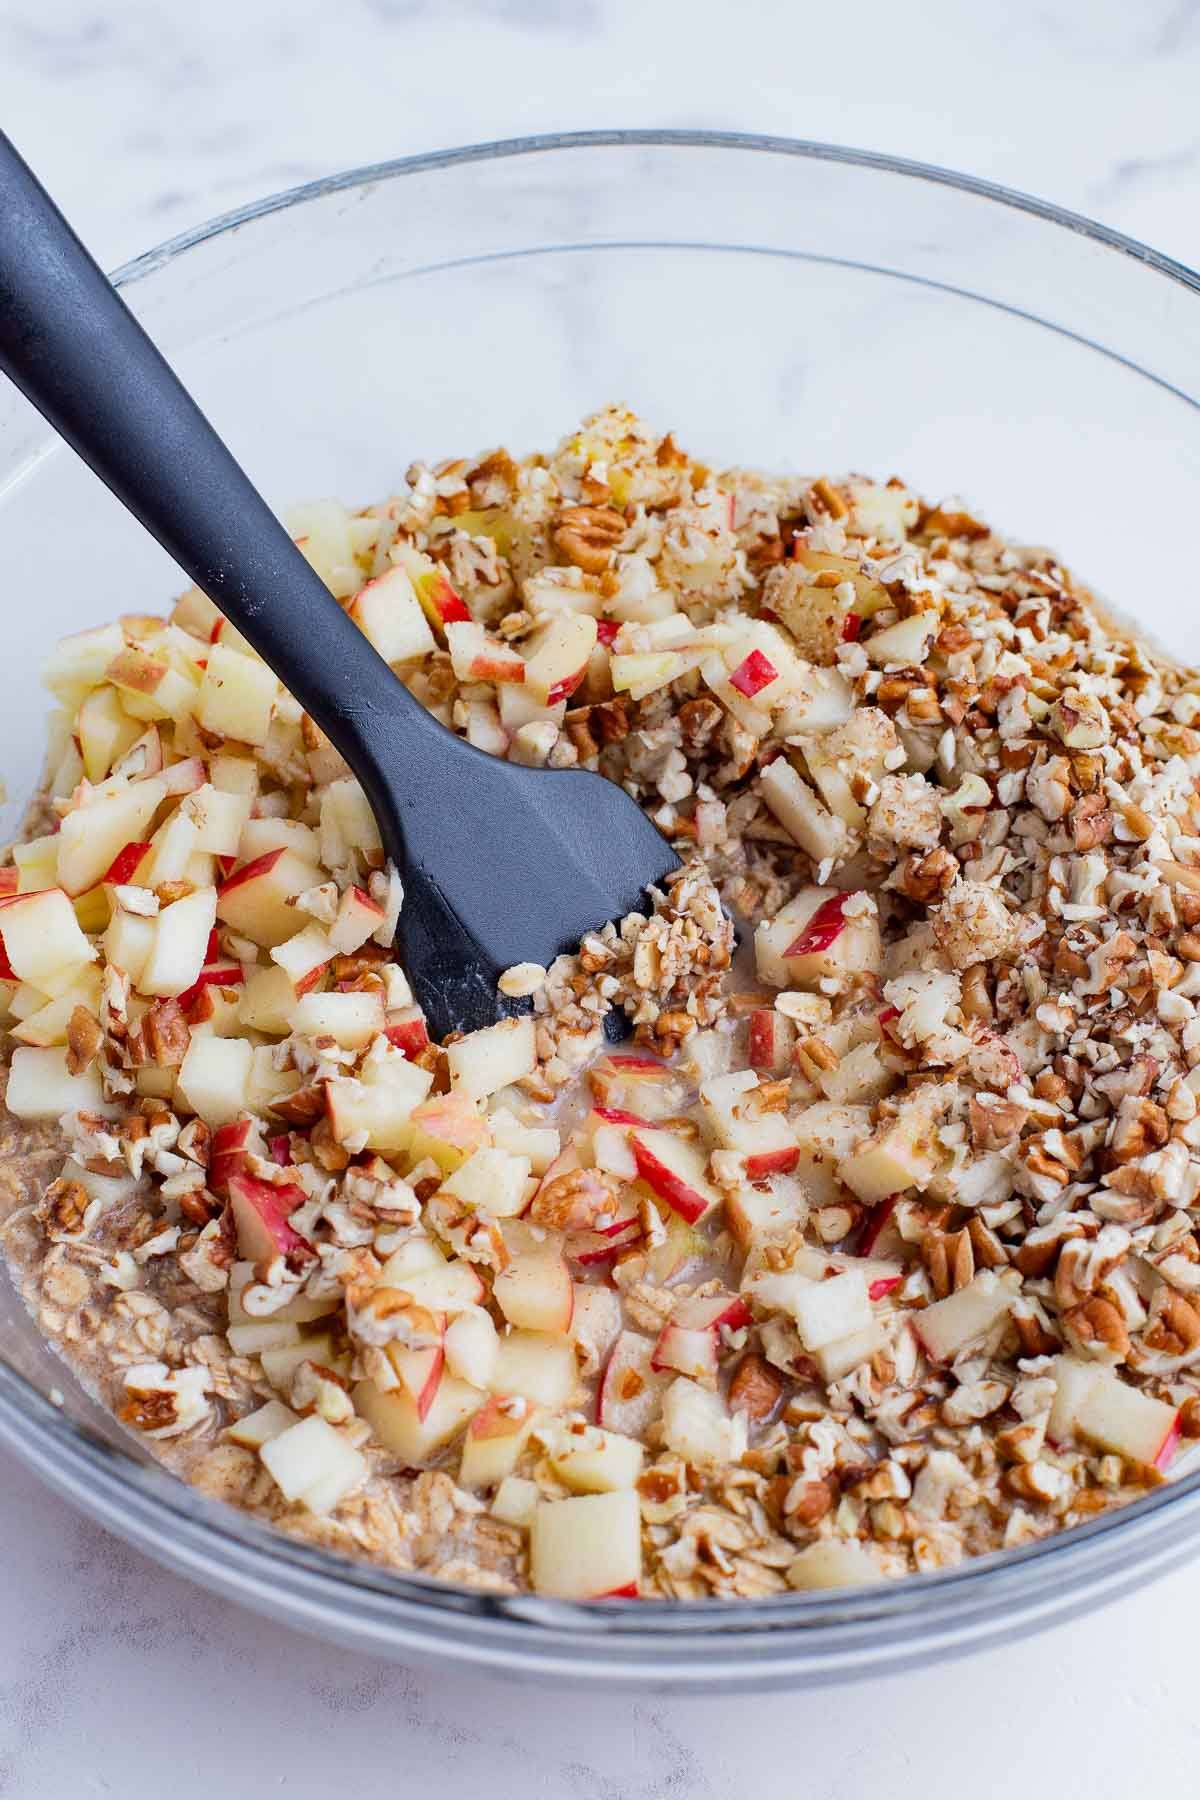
(72, 346)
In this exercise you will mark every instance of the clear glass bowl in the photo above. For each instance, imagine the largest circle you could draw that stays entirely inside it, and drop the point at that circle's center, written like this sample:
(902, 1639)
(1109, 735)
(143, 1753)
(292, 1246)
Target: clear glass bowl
(774, 303)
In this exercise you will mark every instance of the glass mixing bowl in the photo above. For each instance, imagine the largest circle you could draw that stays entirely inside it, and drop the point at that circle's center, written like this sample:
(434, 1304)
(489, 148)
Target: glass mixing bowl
(775, 303)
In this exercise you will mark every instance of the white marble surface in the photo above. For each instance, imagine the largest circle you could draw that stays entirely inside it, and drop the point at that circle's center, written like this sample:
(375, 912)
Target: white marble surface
(147, 117)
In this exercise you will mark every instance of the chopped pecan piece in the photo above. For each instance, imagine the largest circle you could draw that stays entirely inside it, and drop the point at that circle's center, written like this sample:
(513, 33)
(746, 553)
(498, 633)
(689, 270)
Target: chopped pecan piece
(756, 1388)
(84, 1038)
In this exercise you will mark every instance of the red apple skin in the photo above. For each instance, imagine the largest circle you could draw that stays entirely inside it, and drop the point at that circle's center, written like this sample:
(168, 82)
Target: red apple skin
(281, 1149)
(729, 1310)
(227, 1154)
(753, 674)
(7, 972)
(666, 1184)
(631, 1591)
(307, 982)
(771, 1162)
(451, 608)
(588, 1248)
(606, 630)
(433, 1380)
(666, 1354)
(616, 1115)
(497, 669)
(851, 626)
(123, 864)
(273, 1206)
(262, 865)
(363, 899)
(873, 1226)
(637, 1065)
(221, 975)
(409, 1036)
(562, 690)
(1169, 1445)
(883, 1286)
(9, 877)
(760, 1039)
(494, 1420)
(826, 924)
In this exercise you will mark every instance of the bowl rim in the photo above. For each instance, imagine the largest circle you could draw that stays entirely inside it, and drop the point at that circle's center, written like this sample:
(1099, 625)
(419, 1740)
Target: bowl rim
(538, 143)
(777, 1639)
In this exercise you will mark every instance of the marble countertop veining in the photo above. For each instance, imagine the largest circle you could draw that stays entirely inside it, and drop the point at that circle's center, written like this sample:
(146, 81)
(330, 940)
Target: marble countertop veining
(144, 119)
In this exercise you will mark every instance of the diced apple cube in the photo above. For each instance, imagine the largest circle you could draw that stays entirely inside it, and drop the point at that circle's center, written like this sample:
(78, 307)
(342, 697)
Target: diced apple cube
(516, 1501)
(42, 938)
(595, 1323)
(452, 1287)
(1123, 1419)
(305, 957)
(697, 1425)
(259, 1427)
(237, 696)
(261, 1213)
(268, 1002)
(823, 1310)
(538, 1365)
(485, 1061)
(964, 1317)
(496, 1437)
(559, 657)
(93, 835)
(836, 1359)
(472, 1347)
(590, 1460)
(905, 644)
(818, 936)
(805, 819)
(358, 918)
(313, 1463)
(180, 943)
(535, 1291)
(447, 1127)
(832, 1563)
(827, 1134)
(322, 532)
(214, 1077)
(40, 1086)
(477, 656)
(375, 1115)
(352, 1020)
(416, 1442)
(492, 1181)
(219, 817)
(389, 614)
(676, 1170)
(256, 900)
(1074, 1380)
(902, 1155)
(586, 1547)
(539, 1143)
(78, 662)
(631, 1390)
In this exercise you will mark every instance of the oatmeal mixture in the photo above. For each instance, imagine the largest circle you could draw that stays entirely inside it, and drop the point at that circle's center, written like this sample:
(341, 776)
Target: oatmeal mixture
(873, 1248)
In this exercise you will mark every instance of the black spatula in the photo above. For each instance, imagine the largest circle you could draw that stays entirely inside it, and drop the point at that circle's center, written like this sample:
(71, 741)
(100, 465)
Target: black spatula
(500, 864)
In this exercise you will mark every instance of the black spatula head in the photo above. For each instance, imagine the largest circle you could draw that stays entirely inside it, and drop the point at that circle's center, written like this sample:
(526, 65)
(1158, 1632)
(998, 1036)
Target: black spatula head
(510, 865)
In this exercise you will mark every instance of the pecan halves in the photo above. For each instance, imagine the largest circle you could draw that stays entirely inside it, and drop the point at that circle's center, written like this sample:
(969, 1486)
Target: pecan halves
(588, 535)
(573, 1201)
